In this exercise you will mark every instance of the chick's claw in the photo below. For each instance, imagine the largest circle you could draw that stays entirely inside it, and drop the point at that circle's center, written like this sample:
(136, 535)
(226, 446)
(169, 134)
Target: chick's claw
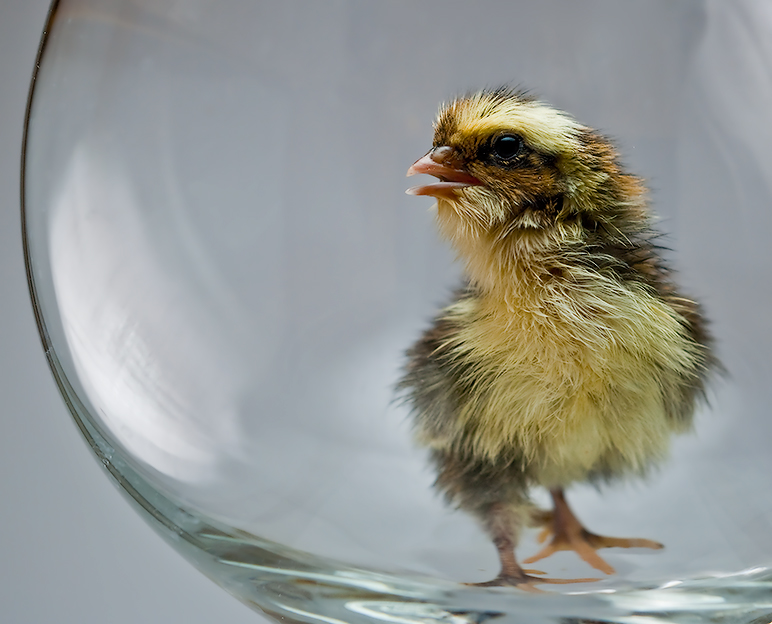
(525, 581)
(569, 534)
(586, 544)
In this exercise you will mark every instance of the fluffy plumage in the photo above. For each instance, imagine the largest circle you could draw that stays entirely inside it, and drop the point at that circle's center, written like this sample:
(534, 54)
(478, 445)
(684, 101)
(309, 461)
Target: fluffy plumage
(569, 356)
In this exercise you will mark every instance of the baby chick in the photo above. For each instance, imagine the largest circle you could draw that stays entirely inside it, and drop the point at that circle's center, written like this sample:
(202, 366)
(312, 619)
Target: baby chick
(569, 356)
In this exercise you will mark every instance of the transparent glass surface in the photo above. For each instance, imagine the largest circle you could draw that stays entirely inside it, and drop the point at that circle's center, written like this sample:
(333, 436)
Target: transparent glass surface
(226, 273)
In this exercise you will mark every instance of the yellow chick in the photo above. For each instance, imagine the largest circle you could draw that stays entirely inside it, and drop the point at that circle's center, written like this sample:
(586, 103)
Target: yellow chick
(569, 356)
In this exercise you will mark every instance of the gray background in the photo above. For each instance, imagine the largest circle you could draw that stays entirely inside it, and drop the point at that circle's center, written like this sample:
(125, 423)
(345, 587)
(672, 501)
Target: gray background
(70, 548)
(73, 552)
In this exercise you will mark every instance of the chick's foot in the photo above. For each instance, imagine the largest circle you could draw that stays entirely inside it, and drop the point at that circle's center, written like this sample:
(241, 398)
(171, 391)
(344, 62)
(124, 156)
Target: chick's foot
(569, 534)
(525, 581)
(511, 574)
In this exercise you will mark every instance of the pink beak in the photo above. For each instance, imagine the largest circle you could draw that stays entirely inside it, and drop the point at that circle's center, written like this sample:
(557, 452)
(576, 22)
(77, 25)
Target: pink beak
(439, 163)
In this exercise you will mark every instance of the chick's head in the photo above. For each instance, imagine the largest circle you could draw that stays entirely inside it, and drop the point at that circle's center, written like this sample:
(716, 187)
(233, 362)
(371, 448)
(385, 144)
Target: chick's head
(509, 164)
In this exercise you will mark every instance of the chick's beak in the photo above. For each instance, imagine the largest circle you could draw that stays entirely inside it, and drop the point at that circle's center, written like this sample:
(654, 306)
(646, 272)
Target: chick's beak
(443, 163)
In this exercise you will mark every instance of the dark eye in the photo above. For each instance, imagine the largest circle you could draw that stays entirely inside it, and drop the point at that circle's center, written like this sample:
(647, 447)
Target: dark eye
(506, 147)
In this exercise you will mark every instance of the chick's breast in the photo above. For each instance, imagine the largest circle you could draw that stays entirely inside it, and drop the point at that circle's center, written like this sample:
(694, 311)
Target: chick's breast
(575, 377)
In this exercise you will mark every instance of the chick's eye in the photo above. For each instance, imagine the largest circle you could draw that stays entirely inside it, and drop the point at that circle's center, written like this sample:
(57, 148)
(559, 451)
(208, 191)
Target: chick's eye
(506, 147)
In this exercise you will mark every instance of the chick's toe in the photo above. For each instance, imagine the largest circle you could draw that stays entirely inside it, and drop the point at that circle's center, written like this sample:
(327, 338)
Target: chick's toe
(569, 534)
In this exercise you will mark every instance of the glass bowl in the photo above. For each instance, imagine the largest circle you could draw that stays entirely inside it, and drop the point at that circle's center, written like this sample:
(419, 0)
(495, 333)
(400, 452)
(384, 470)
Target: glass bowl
(226, 274)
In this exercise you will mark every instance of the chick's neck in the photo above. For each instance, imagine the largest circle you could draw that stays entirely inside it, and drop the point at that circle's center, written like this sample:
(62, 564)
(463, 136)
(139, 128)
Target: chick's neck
(501, 262)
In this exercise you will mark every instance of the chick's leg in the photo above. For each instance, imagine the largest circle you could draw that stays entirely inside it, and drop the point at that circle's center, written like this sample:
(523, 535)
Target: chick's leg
(569, 534)
(502, 524)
